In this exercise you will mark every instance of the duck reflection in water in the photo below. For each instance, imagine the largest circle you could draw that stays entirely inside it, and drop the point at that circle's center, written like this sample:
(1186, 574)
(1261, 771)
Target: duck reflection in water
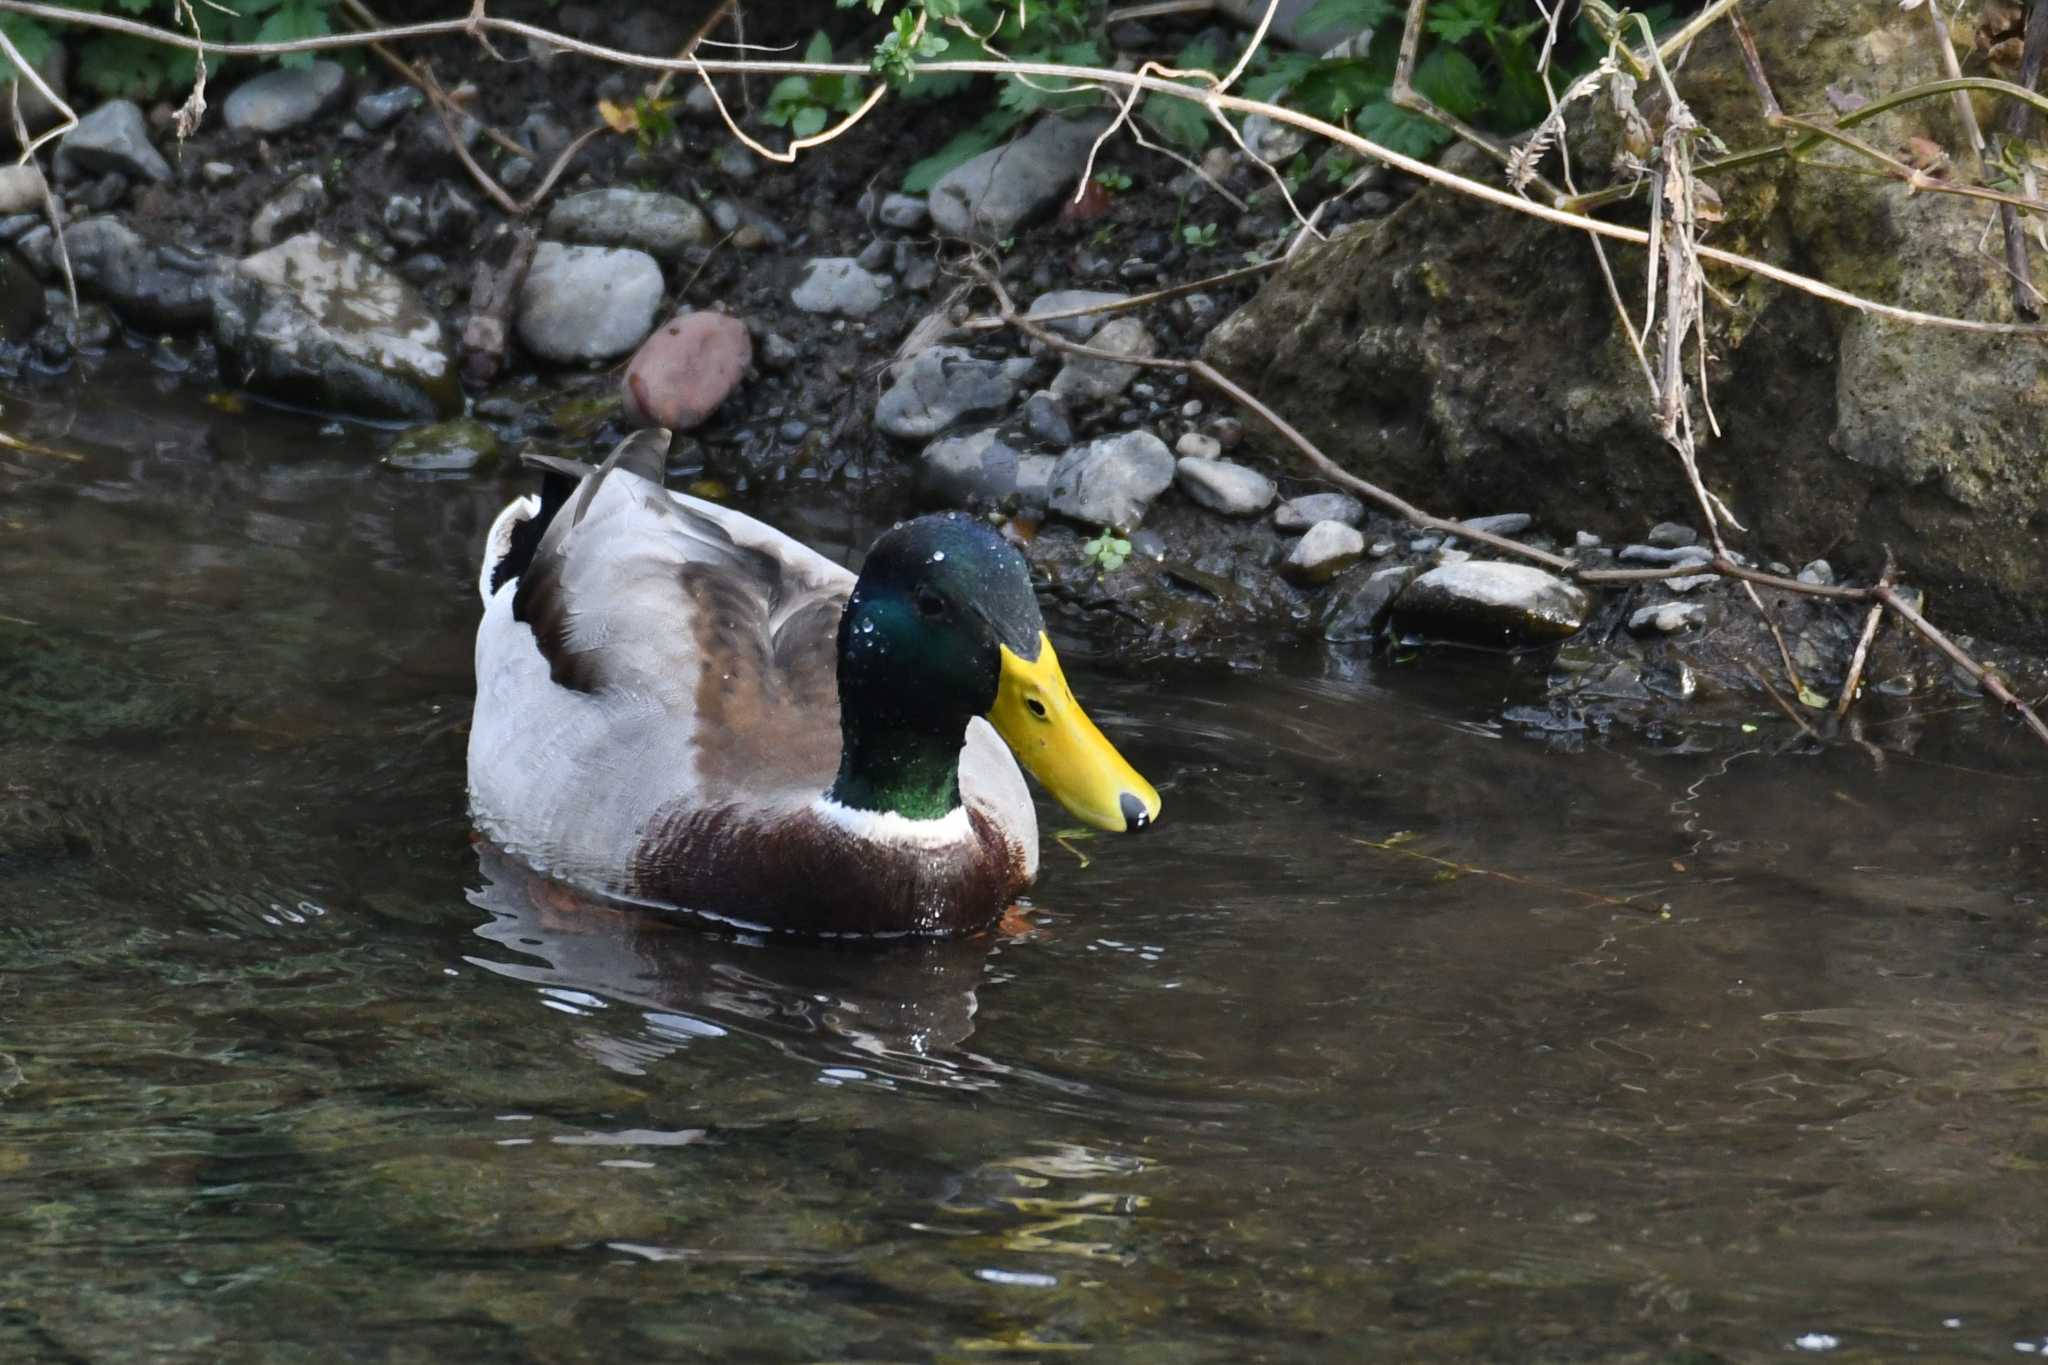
(897, 1008)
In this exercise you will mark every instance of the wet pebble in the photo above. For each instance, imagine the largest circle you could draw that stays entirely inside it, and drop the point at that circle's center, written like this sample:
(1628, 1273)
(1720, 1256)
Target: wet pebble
(405, 222)
(877, 256)
(1653, 554)
(989, 196)
(1046, 420)
(1820, 573)
(113, 137)
(1196, 444)
(456, 446)
(1355, 616)
(1586, 540)
(586, 303)
(1667, 618)
(838, 285)
(942, 385)
(776, 353)
(1090, 379)
(684, 370)
(1298, 514)
(1500, 524)
(976, 469)
(423, 267)
(284, 98)
(903, 211)
(290, 209)
(1227, 430)
(1671, 535)
(1221, 486)
(662, 225)
(1492, 602)
(21, 189)
(1324, 550)
(1075, 328)
(1112, 480)
(378, 111)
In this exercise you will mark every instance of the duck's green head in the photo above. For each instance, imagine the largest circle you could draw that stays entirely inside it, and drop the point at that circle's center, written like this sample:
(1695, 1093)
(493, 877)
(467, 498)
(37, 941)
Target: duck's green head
(942, 627)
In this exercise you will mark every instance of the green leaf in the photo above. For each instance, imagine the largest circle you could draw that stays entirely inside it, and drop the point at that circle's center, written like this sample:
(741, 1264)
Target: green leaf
(1400, 131)
(1280, 74)
(1450, 78)
(1456, 20)
(1352, 14)
(120, 67)
(1337, 89)
(30, 39)
(809, 121)
(819, 49)
(291, 21)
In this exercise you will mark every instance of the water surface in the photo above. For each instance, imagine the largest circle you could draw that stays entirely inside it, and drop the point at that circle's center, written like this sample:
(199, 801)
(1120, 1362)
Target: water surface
(292, 1072)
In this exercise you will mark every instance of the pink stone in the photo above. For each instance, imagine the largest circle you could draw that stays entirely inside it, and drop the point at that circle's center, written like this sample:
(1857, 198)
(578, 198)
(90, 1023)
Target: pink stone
(683, 372)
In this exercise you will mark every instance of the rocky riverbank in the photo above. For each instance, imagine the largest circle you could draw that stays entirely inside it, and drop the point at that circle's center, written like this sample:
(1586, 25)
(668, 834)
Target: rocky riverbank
(319, 244)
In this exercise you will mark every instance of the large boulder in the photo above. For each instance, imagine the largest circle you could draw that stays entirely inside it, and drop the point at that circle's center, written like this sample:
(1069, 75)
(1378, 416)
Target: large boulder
(318, 325)
(1469, 357)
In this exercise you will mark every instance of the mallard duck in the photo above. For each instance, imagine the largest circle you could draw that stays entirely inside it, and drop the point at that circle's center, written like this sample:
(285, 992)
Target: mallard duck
(679, 705)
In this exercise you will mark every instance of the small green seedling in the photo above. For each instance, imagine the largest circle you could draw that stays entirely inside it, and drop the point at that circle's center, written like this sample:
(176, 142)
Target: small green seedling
(1199, 237)
(1109, 551)
(1113, 180)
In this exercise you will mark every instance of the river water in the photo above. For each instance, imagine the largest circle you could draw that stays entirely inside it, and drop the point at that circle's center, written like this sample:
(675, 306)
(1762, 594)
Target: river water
(292, 1072)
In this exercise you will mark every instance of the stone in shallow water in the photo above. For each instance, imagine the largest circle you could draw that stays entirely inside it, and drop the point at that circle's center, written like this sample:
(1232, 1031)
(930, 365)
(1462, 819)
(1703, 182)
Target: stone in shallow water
(1492, 602)
(285, 98)
(587, 303)
(1324, 550)
(1224, 487)
(1112, 480)
(456, 446)
(1355, 616)
(312, 323)
(1298, 514)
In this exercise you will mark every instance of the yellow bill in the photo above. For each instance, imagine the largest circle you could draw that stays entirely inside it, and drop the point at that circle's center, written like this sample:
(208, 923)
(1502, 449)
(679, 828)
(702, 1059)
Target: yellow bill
(1037, 716)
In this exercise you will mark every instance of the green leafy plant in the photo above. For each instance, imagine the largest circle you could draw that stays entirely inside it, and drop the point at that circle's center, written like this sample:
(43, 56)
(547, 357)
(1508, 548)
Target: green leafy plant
(1108, 551)
(1199, 237)
(1113, 180)
(803, 104)
(120, 65)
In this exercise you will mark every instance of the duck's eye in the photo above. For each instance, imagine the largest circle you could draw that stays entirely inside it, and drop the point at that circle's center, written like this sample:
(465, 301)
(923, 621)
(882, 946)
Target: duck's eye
(929, 604)
(1036, 706)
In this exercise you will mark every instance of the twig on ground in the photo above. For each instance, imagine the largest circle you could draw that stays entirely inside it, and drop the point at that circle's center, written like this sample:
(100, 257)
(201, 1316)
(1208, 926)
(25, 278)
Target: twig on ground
(1856, 660)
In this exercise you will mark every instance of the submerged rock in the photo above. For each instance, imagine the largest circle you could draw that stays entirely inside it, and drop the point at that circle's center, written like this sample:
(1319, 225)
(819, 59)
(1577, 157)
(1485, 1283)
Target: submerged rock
(683, 372)
(988, 197)
(581, 304)
(662, 225)
(839, 285)
(1492, 602)
(315, 324)
(279, 100)
(1112, 480)
(1224, 487)
(456, 446)
(1326, 549)
(1355, 616)
(941, 386)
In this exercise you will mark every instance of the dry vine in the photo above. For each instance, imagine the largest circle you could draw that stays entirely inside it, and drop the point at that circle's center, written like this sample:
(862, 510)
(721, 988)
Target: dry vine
(1674, 251)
